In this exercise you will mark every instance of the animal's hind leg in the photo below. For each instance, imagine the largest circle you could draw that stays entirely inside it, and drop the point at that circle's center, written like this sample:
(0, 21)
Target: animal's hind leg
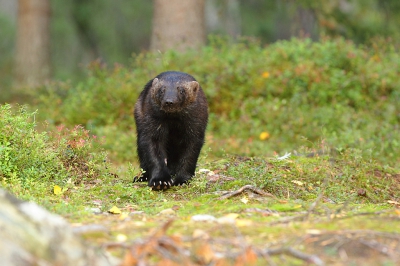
(142, 177)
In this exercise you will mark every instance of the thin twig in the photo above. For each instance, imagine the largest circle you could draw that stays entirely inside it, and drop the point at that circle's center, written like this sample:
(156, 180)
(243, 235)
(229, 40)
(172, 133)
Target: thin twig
(294, 253)
(110, 245)
(375, 245)
(242, 189)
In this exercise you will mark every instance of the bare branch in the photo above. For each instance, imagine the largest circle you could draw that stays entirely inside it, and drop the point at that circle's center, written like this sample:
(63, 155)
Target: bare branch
(244, 188)
(294, 253)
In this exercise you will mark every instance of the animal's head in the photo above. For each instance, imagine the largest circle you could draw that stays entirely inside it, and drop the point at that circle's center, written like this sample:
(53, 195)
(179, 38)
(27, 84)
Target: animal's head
(172, 94)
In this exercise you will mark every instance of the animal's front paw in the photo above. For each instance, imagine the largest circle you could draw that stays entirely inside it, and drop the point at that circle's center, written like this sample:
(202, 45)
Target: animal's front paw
(160, 185)
(181, 180)
(161, 182)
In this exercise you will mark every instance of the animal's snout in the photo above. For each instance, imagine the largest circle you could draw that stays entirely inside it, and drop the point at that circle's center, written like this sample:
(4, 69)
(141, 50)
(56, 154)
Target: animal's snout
(169, 102)
(170, 97)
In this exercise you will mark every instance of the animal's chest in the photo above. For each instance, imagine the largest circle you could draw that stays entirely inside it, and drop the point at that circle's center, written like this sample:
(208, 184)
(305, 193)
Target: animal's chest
(177, 132)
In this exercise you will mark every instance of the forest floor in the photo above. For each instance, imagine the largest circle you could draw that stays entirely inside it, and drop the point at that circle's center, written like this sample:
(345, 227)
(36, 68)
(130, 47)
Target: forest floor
(246, 211)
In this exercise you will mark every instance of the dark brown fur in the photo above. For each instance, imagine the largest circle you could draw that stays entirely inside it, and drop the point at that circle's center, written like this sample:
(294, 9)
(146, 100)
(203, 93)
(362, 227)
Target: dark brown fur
(171, 118)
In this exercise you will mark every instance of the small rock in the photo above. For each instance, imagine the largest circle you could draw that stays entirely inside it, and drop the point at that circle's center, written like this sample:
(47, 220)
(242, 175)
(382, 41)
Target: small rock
(94, 210)
(203, 218)
(362, 192)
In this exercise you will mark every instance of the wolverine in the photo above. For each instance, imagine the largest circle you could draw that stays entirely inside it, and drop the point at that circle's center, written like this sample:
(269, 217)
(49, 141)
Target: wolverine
(171, 117)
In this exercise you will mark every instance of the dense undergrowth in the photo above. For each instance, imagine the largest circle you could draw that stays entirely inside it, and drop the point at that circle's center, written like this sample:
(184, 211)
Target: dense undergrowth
(31, 162)
(297, 92)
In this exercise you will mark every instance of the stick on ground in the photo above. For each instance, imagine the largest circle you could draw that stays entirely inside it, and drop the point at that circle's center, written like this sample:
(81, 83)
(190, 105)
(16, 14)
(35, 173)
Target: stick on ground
(242, 189)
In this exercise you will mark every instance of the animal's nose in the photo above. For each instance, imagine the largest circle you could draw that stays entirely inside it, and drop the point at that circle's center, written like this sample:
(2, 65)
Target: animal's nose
(169, 102)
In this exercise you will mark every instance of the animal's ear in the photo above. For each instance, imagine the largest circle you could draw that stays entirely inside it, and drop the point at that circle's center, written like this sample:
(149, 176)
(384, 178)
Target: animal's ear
(156, 83)
(194, 86)
(192, 89)
(154, 88)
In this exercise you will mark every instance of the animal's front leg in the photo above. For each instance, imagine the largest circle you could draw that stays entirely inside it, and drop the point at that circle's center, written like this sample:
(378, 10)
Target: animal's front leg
(160, 176)
(186, 164)
(152, 155)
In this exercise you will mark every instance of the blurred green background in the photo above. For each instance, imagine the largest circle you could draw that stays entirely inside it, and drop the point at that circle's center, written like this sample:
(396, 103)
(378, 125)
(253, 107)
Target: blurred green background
(85, 30)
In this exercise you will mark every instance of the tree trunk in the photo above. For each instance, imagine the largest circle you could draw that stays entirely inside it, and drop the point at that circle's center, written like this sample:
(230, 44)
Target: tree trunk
(178, 25)
(304, 24)
(32, 59)
(223, 17)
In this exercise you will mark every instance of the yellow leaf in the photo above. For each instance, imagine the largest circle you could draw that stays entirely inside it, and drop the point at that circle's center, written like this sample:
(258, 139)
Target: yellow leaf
(114, 210)
(57, 190)
(265, 74)
(299, 183)
(264, 135)
(244, 200)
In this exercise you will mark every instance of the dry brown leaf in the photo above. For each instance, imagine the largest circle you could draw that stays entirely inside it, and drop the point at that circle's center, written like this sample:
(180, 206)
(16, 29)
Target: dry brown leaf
(129, 260)
(204, 252)
(222, 262)
(168, 262)
(249, 257)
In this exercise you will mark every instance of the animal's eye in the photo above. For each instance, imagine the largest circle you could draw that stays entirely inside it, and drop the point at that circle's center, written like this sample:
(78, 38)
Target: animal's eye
(181, 90)
(161, 92)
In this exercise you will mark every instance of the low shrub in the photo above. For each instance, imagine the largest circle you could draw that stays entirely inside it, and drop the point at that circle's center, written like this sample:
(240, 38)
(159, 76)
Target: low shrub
(31, 161)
